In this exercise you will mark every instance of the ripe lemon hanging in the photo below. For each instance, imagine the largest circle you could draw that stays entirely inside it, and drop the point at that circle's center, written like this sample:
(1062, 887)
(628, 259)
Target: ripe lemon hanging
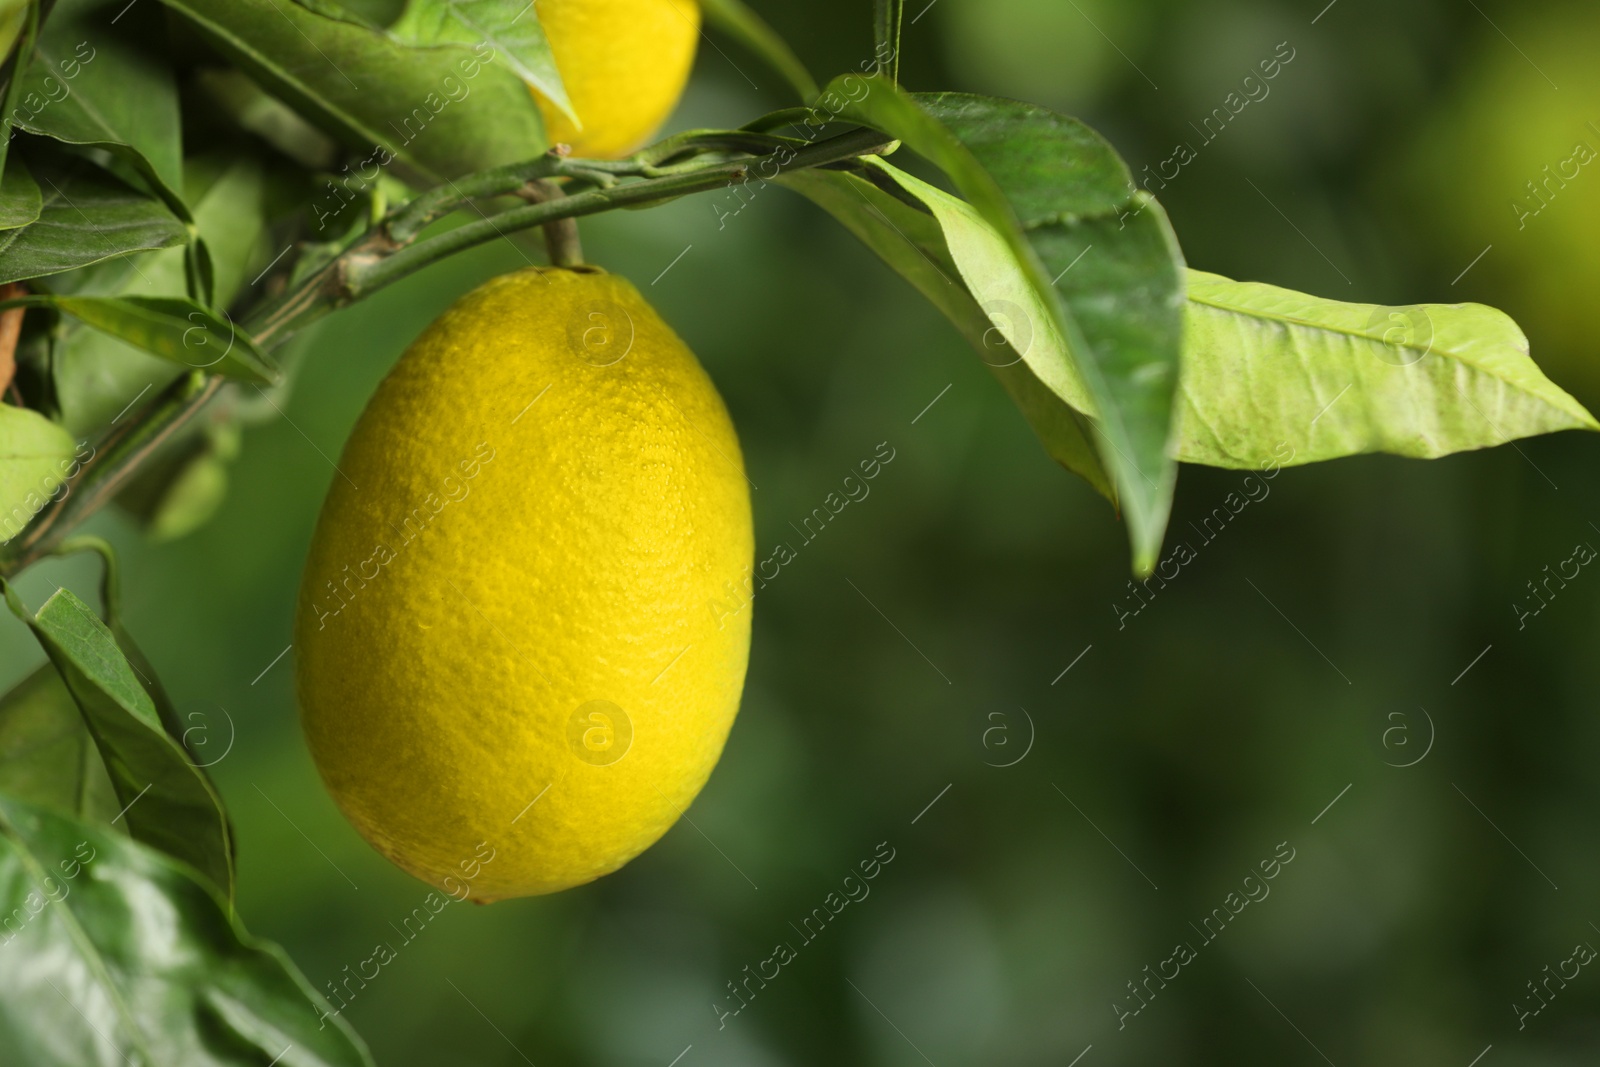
(515, 632)
(624, 64)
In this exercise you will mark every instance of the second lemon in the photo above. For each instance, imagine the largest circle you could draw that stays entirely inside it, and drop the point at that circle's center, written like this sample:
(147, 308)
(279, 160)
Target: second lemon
(624, 64)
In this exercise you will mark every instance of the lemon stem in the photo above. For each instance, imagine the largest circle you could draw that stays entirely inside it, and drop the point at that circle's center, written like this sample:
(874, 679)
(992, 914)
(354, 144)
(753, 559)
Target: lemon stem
(561, 234)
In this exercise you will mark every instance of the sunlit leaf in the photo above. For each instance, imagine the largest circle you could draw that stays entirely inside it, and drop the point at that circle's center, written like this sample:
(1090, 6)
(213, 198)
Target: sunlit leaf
(35, 457)
(1265, 366)
(1115, 271)
(117, 955)
(913, 243)
(1099, 257)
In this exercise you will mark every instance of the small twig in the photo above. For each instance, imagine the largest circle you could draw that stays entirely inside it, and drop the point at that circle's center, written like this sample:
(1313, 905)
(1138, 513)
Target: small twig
(560, 235)
(10, 330)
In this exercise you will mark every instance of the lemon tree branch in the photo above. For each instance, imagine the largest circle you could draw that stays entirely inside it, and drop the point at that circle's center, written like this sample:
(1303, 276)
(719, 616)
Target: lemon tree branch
(394, 249)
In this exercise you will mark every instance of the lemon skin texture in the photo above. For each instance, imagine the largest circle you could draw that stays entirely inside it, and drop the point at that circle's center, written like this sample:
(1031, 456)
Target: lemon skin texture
(624, 64)
(518, 633)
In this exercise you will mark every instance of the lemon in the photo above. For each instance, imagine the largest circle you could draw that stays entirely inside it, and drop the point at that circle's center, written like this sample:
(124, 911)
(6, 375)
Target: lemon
(624, 64)
(520, 644)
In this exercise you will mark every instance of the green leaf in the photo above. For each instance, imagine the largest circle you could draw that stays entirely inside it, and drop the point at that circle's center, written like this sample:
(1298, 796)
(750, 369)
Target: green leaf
(736, 20)
(335, 10)
(172, 327)
(168, 802)
(229, 195)
(96, 375)
(913, 243)
(13, 19)
(269, 118)
(46, 754)
(35, 458)
(1266, 367)
(435, 112)
(87, 215)
(1115, 273)
(20, 201)
(97, 84)
(512, 27)
(1099, 256)
(175, 328)
(27, 31)
(117, 955)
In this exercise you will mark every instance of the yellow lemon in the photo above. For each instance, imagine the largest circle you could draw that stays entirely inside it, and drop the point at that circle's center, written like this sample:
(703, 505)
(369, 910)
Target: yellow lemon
(524, 623)
(624, 64)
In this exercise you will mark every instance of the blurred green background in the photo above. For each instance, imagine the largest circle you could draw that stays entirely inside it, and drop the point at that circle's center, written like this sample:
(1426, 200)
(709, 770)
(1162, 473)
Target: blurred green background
(1321, 639)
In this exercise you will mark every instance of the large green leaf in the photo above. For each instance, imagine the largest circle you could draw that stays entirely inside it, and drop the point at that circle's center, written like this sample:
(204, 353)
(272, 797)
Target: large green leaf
(103, 85)
(20, 201)
(168, 801)
(437, 112)
(1265, 367)
(1098, 253)
(511, 27)
(87, 215)
(36, 455)
(46, 754)
(116, 955)
(914, 244)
